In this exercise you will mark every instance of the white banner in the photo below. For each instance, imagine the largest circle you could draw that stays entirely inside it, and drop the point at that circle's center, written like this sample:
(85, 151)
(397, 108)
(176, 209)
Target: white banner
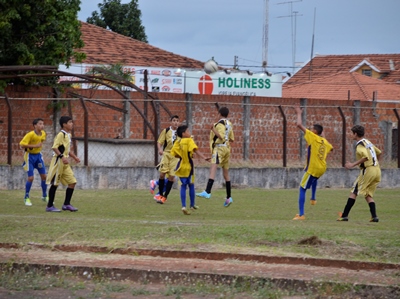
(159, 79)
(235, 84)
(176, 80)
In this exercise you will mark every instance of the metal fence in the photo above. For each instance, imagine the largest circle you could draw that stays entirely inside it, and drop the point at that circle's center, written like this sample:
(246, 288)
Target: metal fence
(124, 132)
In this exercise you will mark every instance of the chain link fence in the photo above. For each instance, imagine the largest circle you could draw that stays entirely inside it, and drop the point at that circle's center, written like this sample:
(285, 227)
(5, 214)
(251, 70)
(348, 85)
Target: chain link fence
(123, 132)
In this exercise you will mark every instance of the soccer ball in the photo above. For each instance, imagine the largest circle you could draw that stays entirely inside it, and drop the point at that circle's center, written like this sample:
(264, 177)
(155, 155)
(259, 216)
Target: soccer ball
(210, 66)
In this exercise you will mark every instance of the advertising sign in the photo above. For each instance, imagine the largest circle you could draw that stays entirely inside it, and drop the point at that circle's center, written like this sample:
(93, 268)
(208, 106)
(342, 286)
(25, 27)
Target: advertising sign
(235, 83)
(176, 80)
(158, 79)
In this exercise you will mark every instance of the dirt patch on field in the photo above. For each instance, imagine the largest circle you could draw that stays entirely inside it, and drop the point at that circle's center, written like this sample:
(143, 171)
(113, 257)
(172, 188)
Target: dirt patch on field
(165, 268)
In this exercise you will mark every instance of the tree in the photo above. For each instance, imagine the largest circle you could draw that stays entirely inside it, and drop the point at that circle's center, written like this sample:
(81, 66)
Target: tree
(39, 32)
(124, 19)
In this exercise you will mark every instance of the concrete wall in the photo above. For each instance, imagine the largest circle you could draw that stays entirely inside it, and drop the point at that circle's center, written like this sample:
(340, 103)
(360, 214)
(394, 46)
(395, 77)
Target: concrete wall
(13, 178)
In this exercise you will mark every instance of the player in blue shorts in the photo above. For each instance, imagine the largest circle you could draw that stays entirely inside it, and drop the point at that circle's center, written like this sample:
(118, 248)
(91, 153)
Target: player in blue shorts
(317, 151)
(32, 144)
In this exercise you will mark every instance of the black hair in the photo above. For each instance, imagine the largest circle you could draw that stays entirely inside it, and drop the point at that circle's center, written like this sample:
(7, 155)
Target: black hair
(181, 129)
(359, 130)
(318, 128)
(36, 120)
(64, 119)
(174, 116)
(223, 111)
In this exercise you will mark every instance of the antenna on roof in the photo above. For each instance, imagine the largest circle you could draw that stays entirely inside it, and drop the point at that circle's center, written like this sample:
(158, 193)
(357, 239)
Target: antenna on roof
(312, 45)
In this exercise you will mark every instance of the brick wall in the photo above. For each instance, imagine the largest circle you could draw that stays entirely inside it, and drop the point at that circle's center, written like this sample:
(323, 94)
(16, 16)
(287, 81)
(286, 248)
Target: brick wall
(264, 127)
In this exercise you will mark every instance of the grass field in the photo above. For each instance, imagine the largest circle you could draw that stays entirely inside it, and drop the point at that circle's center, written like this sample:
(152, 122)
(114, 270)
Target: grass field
(258, 222)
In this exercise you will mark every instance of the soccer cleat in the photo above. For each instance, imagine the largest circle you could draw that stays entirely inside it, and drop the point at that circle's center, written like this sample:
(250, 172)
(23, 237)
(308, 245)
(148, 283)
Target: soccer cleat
(343, 219)
(374, 219)
(194, 208)
(27, 202)
(156, 197)
(153, 186)
(52, 209)
(45, 198)
(298, 217)
(160, 199)
(204, 194)
(228, 202)
(186, 212)
(69, 208)
(313, 202)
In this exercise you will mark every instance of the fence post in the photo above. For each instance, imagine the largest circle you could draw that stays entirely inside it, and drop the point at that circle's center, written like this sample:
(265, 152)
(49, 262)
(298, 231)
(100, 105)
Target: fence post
(398, 137)
(85, 133)
(303, 103)
(246, 128)
(9, 127)
(284, 135)
(127, 117)
(343, 136)
(189, 109)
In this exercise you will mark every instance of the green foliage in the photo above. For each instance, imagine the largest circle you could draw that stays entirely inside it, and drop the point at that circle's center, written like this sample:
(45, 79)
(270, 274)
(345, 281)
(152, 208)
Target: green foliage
(39, 33)
(113, 72)
(124, 19)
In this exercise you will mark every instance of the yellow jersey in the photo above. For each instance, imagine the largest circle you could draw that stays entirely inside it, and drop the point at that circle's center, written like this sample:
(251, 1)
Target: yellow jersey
(365, 149)
(33, 138)
(184, 149)
(225, 129)
(167, 138)
(317, 151)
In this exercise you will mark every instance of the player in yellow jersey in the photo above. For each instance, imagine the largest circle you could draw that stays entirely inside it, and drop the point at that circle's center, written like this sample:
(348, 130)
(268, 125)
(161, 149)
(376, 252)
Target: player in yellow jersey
(369, 177)
(32, 144)
(184, 149)
(168, 162)
(221, 136)
(317, 151)
(60, 170)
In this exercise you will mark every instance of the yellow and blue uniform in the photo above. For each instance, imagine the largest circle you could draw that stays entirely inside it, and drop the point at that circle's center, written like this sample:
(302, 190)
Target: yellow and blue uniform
(58, 171)
(220, 149)
(33, 157)
(317, 151)
(370, 171)
(184, 149)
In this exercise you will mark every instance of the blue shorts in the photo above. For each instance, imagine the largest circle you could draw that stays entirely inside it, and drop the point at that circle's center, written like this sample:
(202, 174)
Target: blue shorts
(32, 161)
(307, 181)
(186, 181)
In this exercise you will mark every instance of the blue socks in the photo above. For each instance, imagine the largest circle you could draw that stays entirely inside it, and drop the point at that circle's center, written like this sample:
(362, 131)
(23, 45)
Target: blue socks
(302, 199)
(44, 188)
(192, 195)
(28, 187)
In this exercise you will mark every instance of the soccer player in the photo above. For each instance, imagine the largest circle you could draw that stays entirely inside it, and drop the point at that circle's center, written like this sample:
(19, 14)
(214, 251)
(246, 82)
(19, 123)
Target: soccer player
(317, 151)
(184, 149)
(60, 169)
(369, 177)
(168, 162)
(221, 136)
(32, 143)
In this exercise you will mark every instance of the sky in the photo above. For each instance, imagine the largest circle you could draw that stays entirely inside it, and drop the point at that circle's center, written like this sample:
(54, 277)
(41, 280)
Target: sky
(223, 29)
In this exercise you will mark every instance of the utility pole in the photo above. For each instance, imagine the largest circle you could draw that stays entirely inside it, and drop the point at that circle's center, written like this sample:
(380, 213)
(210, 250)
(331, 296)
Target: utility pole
(265, 36)
(293, 21)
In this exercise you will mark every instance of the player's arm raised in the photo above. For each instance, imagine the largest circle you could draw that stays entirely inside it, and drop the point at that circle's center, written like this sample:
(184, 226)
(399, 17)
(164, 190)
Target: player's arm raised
(299, 123)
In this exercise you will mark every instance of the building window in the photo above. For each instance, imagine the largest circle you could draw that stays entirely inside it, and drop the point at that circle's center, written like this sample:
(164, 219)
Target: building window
(367, 72)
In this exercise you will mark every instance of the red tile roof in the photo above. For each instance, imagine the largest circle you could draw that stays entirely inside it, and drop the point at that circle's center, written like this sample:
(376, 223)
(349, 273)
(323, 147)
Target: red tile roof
(103, 46)
(333, 76)
(337, 87)
(325, 65)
